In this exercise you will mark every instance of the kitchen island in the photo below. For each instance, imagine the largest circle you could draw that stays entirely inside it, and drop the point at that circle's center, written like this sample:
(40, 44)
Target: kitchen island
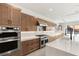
(62, 47)
(52, 35)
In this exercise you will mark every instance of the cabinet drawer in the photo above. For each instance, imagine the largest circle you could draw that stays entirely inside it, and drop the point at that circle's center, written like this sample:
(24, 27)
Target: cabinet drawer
(25, 47)
(29, 46)
(36, 41)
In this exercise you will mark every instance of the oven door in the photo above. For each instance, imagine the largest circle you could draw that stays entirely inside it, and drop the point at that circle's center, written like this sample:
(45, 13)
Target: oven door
(8, 46)
(42, 43)
(8, 34)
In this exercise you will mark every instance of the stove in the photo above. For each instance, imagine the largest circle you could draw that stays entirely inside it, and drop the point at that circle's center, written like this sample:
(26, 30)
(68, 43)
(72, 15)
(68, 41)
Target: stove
(43, 40)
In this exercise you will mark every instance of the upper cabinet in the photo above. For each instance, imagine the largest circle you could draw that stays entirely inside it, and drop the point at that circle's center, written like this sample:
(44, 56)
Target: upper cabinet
(28, 22)
(5, 14)
(9, 15)
(24, 22)
(16, 16)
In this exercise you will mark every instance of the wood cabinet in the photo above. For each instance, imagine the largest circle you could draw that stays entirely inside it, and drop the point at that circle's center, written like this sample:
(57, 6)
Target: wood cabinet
(15, 17)
(4, 14)
(25, 47)
(29, 46)
(28, 22)
(9, 15)
(24, 22)
(54, 37)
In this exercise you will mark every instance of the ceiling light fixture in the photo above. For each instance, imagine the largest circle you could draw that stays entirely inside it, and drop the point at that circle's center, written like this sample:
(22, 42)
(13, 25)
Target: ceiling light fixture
(50, 9)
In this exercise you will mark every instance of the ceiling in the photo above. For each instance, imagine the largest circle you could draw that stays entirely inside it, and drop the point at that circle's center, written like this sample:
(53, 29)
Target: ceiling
(58, 12)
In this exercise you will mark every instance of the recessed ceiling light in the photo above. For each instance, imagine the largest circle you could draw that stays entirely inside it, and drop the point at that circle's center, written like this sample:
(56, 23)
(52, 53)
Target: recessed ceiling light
(50, 9)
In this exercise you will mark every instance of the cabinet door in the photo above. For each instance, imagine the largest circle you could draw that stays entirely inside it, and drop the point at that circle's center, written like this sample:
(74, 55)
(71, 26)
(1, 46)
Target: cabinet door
(25, 48)
(29, 46)
(15, 17)
(33, 20)
(36, 44)
(5, 14)
(33, 23)
(28, 23)
(9, 16)
(24, 22)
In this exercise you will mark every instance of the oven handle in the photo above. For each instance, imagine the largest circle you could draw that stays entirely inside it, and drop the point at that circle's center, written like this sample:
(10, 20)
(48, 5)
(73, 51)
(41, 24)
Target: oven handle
(9, 40)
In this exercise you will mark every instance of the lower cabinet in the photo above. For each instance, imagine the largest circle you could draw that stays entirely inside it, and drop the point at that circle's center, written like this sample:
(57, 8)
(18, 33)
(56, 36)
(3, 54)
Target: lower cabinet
(27, 47)
(52, 38)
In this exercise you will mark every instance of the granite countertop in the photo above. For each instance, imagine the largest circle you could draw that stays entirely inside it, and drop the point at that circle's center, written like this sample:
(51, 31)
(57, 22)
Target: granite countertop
(66, 45)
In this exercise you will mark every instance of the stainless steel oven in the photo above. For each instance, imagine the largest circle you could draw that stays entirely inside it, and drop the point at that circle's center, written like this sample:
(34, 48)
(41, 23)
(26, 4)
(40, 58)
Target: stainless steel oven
(43, 40)
(9, 39)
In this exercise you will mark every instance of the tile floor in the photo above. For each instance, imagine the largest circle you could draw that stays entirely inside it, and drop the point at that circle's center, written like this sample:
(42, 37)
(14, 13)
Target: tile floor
(40, 52)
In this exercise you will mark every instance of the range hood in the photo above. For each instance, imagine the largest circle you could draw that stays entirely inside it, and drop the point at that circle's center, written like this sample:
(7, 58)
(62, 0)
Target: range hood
(43, 25)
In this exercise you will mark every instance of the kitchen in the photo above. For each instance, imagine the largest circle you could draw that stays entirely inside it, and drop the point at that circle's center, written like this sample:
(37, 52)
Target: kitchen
(24, 32)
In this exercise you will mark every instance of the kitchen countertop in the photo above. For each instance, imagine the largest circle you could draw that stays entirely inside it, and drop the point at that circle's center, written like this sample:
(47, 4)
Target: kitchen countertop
(54, 33)
(66, 45)
(32, 34)
(28, 38)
